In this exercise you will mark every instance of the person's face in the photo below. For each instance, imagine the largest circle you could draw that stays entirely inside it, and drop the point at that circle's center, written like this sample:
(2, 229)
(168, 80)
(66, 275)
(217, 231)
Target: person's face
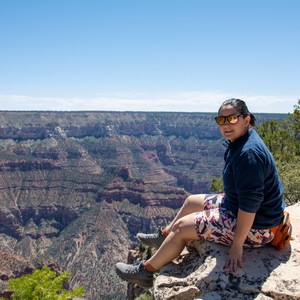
(233, 131)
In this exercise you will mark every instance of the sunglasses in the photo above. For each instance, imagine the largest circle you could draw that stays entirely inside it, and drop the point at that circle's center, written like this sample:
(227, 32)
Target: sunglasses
(232, 119)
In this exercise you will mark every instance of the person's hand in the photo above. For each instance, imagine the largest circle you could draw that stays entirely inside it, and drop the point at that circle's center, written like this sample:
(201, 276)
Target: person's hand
(234, 259)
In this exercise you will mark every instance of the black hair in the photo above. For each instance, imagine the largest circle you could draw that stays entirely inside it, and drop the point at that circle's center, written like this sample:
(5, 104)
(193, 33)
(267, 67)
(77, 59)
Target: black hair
(241, 107)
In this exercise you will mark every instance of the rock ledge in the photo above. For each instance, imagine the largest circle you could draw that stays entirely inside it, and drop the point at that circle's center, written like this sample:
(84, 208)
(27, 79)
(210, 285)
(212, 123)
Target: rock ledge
(267, 273)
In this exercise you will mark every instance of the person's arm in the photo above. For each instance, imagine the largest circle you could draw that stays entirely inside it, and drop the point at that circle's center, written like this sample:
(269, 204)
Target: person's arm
(244, 224)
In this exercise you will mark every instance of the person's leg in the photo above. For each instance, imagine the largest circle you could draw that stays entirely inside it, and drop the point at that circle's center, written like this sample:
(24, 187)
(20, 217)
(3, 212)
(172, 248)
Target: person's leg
(192, 204)
(200, 225)
(183, 230)
(196, 203)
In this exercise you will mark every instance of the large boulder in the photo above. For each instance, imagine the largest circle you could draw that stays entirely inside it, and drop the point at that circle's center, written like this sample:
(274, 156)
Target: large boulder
(267, 273)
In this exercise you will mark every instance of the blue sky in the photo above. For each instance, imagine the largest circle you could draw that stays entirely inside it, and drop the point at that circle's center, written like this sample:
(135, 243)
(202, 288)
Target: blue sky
(149, 55)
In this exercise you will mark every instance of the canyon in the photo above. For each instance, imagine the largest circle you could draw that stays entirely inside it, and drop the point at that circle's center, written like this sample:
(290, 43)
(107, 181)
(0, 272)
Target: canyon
(76, 187)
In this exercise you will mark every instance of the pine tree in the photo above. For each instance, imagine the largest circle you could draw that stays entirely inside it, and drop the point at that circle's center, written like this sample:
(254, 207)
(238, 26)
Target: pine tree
(283, 140)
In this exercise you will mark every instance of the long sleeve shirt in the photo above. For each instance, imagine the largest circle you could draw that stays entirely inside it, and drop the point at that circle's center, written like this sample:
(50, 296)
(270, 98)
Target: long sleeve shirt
(251, 181)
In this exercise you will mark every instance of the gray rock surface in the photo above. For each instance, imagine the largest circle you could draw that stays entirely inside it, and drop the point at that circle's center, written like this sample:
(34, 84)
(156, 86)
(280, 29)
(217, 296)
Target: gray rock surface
(267, 273)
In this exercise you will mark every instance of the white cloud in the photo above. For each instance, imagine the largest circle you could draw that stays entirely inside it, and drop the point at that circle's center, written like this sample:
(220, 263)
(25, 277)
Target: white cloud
(125, 101)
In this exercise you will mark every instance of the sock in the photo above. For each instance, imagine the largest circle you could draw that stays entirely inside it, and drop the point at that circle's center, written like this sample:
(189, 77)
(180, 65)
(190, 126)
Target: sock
(164, 232)
(148, 267)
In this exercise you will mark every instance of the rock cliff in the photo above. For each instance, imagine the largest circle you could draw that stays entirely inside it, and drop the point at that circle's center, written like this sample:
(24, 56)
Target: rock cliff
(267, 273)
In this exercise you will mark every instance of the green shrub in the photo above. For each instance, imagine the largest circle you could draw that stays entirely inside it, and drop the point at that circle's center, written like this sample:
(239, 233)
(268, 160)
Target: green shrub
(42, 284)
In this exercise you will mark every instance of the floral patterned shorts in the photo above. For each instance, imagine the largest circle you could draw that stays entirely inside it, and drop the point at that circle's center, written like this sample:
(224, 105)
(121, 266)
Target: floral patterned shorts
(217, 224)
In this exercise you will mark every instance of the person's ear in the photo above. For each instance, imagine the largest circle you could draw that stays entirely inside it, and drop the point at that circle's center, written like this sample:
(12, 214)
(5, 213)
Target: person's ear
(248, 119)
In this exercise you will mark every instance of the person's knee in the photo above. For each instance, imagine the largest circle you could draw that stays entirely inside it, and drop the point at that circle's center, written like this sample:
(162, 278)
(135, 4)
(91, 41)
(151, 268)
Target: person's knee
(184, 229)
(178, 225)
(194, 202)
(189, 201)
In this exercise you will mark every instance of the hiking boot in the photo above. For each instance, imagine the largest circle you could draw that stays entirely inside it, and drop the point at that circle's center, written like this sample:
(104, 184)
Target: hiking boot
(135, 274)
(152, 240)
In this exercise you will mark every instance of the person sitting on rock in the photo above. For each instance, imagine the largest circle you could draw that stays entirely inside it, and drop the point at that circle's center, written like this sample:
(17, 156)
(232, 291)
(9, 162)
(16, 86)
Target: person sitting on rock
(251, 205)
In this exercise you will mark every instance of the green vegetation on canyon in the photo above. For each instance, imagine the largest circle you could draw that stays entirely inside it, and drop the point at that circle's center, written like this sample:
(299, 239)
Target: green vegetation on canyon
(42, 284)
(283, 140)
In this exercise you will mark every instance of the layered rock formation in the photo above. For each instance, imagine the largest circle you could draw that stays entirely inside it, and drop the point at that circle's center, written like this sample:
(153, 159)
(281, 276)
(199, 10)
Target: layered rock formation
(267, 273)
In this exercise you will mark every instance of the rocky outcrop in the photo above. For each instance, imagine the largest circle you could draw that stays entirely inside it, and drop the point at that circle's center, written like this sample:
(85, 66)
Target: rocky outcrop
(267, 273)
(12, 266)
(139, 192)
(42, 221)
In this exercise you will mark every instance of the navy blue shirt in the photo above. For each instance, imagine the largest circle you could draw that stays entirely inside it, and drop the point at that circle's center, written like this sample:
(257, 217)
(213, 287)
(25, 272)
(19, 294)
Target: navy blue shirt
(251, 181)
